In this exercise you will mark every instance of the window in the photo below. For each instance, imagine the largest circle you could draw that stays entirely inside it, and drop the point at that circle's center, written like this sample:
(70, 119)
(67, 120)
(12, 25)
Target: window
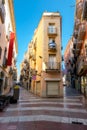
(3, 1)
(51, 40)
(2, 13)
(52, 61)
(4, 58)
(51, 28)
(52, 44)
(0, 52)
(86, 49)
(52, 58)
(85, 10)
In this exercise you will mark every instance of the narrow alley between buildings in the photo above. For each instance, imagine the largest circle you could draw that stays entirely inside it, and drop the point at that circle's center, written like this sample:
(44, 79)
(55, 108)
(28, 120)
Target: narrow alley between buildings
(36, 113)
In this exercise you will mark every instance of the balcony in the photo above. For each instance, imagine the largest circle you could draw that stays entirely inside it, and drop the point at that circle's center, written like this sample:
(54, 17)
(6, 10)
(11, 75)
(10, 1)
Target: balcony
(75, 41)
(77, 23)
(72, 70)
(52, 31)
(52, 46)
(14, 76)
(2, 13)
(74, 45)
(4, 62)
(79, 8)
(53, 66)
(26, 65)
(25, 68)
(84, 14)
(81, 32)
(34, 45)
(25, 61)
(10, 71)
(30, 53)
(34, 57)
(75, 59)
(85, 63)
(76, 51)
(79, 44)
(33, 72)
(73, 51)
(75, 34)
(82, 65)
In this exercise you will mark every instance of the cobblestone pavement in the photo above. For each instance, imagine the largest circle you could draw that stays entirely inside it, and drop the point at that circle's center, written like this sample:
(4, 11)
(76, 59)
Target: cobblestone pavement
(35, 113)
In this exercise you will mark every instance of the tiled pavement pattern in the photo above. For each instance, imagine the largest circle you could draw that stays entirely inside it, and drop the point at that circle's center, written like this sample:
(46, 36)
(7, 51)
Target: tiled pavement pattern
(35, 113)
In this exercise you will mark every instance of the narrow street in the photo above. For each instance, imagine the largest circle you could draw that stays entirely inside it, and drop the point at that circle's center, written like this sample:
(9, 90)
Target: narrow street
(35, 113)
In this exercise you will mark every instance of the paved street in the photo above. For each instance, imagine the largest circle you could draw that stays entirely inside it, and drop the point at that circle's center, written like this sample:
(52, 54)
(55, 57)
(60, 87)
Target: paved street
(35, 113)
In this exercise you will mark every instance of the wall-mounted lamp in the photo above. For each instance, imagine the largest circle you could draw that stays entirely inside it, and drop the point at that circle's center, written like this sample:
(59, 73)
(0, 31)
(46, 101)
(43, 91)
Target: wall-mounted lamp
(40, 56)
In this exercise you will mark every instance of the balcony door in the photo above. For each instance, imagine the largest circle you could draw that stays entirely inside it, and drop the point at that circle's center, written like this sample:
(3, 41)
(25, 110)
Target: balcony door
(52, 61)
(52, 29)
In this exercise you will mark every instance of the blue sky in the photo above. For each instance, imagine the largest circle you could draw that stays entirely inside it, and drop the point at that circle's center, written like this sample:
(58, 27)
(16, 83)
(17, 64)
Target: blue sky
(28, 14)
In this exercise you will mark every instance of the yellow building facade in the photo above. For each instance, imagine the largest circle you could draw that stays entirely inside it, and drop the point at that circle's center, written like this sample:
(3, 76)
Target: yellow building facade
(45, 57)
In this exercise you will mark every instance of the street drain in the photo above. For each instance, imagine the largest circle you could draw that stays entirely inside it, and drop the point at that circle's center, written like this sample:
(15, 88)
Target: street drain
(79, 123)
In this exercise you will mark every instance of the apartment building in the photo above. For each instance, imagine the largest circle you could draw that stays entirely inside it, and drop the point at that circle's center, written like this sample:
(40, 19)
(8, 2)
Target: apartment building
(24, 69)
(81, 15)
(78, 66)
(68, 59)
(45, 78)
(8, 46)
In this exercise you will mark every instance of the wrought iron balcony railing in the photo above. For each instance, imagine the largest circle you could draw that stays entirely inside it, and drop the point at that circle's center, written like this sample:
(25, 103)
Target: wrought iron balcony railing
(75, 34)
(52, 31)
(77, 23)
(84, 13)
(34, 57)
(82, 65)
(81, 32)
(52, 46)
(79, 9)
(53, 66)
